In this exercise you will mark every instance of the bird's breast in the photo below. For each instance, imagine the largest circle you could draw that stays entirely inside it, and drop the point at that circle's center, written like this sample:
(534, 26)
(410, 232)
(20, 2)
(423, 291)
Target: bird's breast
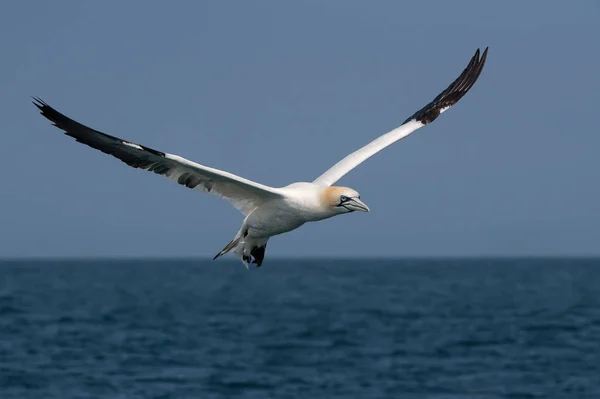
(277, 217)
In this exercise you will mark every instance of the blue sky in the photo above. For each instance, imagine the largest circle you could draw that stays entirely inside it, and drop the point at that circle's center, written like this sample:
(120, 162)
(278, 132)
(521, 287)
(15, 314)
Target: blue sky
(278, 92)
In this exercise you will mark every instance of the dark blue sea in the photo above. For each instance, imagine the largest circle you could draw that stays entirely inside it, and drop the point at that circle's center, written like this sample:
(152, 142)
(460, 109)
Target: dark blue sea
(450, 329)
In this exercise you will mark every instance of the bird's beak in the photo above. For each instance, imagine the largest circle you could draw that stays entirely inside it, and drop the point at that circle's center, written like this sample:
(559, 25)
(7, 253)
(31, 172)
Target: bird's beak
(355, 204)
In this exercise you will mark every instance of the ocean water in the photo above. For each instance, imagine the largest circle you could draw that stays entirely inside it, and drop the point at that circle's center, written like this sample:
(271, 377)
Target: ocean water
(300, 329)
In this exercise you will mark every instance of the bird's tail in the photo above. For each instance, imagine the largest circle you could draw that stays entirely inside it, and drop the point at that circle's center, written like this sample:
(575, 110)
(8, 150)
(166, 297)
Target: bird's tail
(229, 247)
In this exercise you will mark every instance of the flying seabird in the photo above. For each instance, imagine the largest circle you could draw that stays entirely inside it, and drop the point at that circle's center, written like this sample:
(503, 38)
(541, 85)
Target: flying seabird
(267, 211)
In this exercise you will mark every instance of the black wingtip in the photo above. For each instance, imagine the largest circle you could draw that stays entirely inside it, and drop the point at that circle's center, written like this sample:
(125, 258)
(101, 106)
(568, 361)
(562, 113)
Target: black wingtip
(454, 92)
(47, 111)
(38, 102)
(483, 57)
(51, 114)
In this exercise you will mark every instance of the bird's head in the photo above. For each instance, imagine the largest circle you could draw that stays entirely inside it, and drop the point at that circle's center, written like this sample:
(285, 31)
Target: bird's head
(343, 200)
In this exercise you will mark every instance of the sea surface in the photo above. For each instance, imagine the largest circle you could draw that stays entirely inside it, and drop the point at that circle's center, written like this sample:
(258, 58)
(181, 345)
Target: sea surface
(444, 328)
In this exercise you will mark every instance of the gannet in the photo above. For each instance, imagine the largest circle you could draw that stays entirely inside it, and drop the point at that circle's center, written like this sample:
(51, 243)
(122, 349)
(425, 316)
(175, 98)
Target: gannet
(267, 211)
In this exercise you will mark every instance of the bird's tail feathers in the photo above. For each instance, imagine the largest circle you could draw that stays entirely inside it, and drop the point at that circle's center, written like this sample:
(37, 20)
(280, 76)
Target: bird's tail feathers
(229, 247)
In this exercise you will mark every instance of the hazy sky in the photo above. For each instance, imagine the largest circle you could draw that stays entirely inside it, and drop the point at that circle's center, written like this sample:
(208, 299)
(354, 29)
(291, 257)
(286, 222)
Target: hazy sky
(278, 92)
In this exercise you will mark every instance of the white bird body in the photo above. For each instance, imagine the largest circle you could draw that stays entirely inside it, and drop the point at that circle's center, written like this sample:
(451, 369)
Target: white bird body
(299, 203)
(268, 211)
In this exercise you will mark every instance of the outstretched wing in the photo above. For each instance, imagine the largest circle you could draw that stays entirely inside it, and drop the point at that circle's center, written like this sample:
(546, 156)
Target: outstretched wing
(425, 115)
(244, 194)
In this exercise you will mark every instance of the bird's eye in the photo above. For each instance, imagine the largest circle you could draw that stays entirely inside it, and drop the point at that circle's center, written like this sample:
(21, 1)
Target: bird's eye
(343, 198)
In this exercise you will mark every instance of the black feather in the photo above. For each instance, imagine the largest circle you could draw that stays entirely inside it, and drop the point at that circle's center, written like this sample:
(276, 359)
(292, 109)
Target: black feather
(454, 92)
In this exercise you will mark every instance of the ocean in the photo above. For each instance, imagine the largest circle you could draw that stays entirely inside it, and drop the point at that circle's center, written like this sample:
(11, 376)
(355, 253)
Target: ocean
(442, 328)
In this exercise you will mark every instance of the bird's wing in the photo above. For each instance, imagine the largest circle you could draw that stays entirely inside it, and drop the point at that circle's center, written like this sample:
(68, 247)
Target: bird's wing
(425, 115)
(244, 194)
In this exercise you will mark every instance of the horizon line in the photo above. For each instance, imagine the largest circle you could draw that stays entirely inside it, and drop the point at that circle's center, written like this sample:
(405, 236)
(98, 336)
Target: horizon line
(298, 258)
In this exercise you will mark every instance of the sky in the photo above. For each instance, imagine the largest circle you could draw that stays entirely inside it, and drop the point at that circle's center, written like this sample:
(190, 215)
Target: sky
(277, 92)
